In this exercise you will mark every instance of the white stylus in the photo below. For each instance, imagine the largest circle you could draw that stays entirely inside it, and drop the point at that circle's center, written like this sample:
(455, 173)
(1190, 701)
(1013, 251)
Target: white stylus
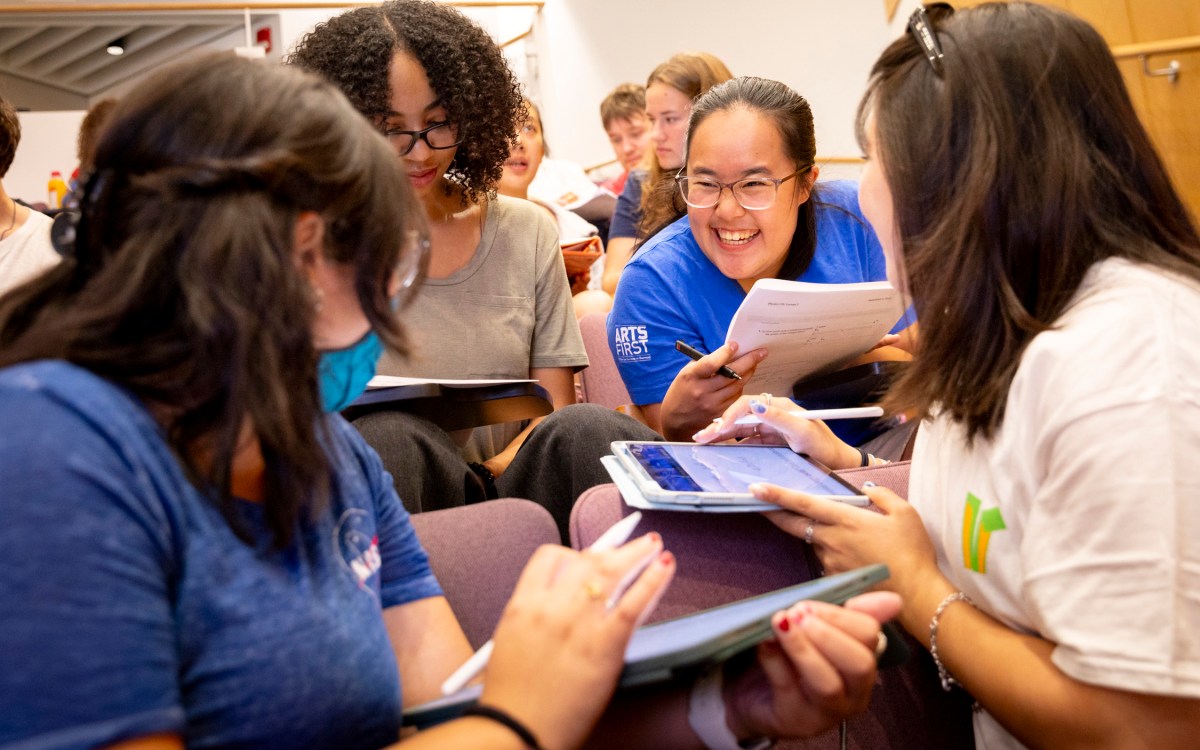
(616, 535)
(857, 412)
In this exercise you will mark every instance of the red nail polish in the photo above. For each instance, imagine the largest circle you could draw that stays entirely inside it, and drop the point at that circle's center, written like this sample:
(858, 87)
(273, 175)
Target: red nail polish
(654, 537)
(798, 618)
(666, 558)
(784, 625)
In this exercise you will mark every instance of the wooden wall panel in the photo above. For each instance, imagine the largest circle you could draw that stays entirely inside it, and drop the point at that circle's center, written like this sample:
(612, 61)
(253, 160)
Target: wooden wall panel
(1170, 111)
(1154, 20)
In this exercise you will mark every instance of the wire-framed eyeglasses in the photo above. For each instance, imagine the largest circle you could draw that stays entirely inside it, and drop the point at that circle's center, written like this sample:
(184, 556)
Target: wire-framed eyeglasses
(751, 193)
(440, 135)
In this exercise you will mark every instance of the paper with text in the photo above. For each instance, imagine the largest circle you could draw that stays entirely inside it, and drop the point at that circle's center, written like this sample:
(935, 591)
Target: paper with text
(395, 381)
(810, 328)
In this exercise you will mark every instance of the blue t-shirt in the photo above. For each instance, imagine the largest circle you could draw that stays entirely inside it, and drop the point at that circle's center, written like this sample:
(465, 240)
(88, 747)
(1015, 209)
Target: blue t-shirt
(670, 290)
(628, 212)
(128, 606)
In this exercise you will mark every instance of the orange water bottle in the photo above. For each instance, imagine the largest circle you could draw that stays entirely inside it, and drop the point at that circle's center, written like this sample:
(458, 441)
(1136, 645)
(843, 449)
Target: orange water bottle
(56, 190)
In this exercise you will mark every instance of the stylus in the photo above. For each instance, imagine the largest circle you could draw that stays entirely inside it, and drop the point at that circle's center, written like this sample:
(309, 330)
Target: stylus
(695, 354)
(857, 412)
(616, 535)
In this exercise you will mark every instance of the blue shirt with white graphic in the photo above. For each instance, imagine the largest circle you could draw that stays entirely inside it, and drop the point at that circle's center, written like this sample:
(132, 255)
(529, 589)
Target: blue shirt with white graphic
(128, 605)
(670, 290)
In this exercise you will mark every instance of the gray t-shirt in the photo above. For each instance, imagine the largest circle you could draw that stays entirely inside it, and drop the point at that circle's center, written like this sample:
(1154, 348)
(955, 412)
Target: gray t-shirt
(508, 310)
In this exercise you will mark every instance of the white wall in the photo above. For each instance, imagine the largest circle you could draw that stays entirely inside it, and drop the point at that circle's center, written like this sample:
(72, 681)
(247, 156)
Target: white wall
(822, 49)
(47, 143)
(581, 49)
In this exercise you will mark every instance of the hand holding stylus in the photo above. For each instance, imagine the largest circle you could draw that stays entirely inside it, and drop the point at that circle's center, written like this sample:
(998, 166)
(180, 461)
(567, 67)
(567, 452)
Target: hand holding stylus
(616, 535)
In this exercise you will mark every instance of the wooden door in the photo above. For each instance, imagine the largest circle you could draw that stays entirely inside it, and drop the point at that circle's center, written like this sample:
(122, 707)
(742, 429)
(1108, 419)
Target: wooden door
(1170, 111)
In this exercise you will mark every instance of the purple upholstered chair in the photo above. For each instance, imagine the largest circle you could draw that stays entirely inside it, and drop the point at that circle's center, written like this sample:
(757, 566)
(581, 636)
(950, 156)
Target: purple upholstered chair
(601, 382)
(726, 557)
(477, 553)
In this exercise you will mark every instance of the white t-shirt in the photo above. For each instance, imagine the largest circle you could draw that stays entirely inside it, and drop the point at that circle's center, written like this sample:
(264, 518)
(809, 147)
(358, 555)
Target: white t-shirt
(1079, 520)
(27, 251)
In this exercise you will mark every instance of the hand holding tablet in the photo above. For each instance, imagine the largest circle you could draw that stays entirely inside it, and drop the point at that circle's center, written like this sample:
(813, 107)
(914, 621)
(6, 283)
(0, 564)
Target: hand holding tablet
(688, 474)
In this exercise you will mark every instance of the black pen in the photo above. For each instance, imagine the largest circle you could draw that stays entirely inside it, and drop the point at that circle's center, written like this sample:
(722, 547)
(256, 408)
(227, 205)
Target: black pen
(695, 355)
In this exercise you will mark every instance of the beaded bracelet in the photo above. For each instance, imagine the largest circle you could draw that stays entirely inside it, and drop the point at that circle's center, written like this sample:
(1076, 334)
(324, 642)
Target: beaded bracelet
(487, 478)
(944, 675)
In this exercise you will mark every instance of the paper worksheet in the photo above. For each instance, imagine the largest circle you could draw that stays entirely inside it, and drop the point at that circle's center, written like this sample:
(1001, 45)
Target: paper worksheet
(810, 328)
(394, 381)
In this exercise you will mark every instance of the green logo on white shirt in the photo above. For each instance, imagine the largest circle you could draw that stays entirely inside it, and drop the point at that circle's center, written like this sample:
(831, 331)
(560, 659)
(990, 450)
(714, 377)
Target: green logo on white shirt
(977, 532)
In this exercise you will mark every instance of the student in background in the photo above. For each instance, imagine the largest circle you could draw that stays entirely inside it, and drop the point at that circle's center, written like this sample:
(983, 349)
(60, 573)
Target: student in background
(524, 164)
(670, 90)
(496, 303)
(565, 185)
(1048, 541)
(521, 169)
(623, 114)
(754, 211)
(25, 249)
(196, 553)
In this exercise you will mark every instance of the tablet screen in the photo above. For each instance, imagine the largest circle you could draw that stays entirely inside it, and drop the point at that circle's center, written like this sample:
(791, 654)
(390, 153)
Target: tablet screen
(687, 467)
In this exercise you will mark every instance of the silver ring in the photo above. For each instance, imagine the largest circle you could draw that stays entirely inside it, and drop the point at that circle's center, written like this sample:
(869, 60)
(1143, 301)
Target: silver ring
(767, 397)
(808, 533)
(880, 644)
(755, 433)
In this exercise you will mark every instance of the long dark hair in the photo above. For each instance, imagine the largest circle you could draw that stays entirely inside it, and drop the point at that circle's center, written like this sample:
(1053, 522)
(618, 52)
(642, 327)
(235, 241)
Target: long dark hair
(465, 66)
(182, 285)
(1012, 172)
(794, 120)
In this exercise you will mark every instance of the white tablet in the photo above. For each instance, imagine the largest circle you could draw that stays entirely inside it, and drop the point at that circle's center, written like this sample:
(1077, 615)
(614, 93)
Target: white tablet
(692, 474)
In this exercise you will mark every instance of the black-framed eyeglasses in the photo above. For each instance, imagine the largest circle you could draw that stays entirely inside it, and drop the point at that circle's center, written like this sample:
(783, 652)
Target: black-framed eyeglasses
(751, 193)
(922, 30)
(440, 135)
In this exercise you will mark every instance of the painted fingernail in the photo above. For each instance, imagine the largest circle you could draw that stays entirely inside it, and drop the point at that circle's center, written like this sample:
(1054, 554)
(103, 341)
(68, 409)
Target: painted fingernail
(784, 625)
(666, 558)
(757, 406)
(653, 536)
(797, 618)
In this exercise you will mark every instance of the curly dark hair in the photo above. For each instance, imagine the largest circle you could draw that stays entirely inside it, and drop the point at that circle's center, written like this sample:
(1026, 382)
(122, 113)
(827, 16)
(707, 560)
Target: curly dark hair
(466, 69)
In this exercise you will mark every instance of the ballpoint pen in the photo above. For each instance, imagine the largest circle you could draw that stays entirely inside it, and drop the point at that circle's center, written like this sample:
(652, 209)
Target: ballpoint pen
(856, 412)
(695, 354)
(616, 535)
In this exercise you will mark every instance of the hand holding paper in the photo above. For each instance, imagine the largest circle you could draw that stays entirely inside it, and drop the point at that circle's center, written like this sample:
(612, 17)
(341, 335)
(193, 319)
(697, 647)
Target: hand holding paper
(809, 328)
